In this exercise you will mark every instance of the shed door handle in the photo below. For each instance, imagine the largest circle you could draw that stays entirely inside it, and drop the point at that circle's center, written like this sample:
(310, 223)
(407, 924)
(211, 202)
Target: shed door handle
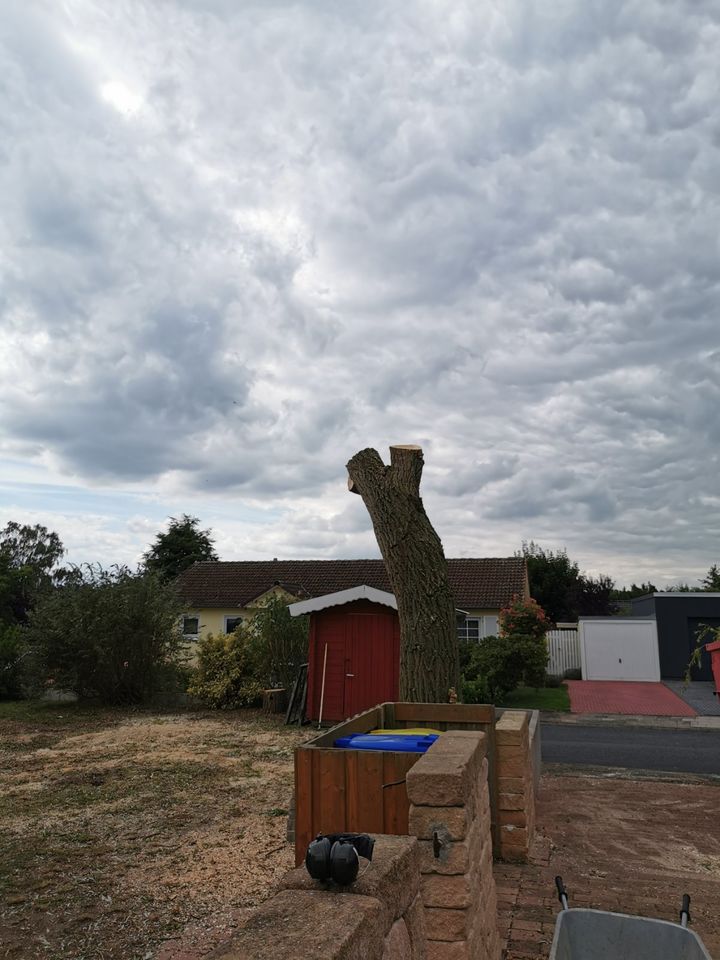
(349, 674)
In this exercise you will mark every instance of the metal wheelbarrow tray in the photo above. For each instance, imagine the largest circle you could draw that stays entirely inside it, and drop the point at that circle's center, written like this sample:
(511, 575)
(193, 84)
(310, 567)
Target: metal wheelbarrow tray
(600, 935)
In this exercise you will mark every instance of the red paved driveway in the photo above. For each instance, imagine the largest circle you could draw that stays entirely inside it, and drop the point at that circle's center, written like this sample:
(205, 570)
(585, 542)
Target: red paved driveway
(626, 696)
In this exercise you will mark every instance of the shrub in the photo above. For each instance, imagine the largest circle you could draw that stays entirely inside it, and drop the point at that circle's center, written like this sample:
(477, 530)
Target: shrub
(495, 666)
(574, 673)
(111, 635)
(523, 618)
(475, 691)
(279, 643)
(226, 672)
(13, 653)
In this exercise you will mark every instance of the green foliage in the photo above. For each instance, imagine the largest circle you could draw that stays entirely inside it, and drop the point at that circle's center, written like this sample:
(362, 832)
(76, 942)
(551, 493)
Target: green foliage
(13, 653)
(28, 556)
(179, 547)
(635, 590)
(523, 618)
(561, 589)
(705, 634)
(711, 580)
(266, 651)
(111, 635)
(494, 666)
(475, 691)
(279, 643)
(226, 673)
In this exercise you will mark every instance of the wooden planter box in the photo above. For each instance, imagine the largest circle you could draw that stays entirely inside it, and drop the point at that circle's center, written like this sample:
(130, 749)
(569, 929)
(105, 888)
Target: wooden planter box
(364, 791)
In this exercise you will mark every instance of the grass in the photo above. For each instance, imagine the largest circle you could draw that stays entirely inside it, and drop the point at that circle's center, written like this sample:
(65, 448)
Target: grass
(544, 698)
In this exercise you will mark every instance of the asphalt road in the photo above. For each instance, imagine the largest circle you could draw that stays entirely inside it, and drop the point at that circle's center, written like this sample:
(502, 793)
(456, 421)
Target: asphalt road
(639, 748)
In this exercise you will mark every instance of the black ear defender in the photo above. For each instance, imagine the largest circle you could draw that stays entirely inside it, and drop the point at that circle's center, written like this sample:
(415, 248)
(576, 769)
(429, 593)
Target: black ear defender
(337, 856)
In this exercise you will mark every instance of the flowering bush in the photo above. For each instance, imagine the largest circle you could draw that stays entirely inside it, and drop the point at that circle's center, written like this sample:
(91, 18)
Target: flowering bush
(524, 618)
(495, 666)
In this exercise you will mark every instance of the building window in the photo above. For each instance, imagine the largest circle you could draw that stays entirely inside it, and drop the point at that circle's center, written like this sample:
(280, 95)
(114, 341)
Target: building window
(191, 626)
(232, 623)
(469, 629)
(475, 628)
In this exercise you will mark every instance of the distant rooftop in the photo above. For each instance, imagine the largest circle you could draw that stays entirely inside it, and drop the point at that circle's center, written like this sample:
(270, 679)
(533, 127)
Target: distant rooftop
(480, 583)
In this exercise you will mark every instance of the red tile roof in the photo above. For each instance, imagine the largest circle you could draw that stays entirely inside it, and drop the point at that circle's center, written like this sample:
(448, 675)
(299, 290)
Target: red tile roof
(488, 582)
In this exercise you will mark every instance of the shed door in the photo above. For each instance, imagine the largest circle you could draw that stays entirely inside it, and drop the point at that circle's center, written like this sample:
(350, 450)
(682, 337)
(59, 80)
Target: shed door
(619, 650)
(373, 661)
(328, 659)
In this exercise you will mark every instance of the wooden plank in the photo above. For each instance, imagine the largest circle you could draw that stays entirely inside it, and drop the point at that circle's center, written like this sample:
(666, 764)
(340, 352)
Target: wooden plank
(365, 796)
(329, 791)
(361, 723)
(396, 805)
(303, 803)
(450, 713)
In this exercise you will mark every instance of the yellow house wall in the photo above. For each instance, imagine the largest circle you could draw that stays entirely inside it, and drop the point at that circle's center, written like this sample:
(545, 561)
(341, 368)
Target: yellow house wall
(213, 620)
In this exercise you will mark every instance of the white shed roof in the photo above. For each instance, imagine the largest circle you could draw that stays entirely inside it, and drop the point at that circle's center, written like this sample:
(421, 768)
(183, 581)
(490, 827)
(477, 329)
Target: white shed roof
(341, 597)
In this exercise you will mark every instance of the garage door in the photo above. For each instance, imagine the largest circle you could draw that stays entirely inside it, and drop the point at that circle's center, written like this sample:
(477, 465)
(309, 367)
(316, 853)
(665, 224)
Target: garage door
(613, 649)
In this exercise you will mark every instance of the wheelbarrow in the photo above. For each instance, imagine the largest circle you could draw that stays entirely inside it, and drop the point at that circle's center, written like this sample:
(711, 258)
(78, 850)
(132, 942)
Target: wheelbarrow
(599, 935)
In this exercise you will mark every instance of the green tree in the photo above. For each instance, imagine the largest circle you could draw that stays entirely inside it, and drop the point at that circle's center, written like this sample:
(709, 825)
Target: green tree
(711, 580)
(28, 568)
(182, 545)
(111, 635)
(561, 589)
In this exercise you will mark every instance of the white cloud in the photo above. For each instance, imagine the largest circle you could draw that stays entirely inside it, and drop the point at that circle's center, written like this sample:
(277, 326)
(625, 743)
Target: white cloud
(241, 242)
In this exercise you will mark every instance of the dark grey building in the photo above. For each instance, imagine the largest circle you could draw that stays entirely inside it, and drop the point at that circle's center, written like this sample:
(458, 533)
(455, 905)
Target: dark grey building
(679, 618)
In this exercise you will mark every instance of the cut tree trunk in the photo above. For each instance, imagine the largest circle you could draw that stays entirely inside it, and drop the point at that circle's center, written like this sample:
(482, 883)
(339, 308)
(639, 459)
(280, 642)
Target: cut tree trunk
(417, 569)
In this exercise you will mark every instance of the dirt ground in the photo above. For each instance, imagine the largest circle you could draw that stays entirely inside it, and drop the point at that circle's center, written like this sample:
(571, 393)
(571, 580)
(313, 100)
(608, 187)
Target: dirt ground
(628, 845)
(119, 830)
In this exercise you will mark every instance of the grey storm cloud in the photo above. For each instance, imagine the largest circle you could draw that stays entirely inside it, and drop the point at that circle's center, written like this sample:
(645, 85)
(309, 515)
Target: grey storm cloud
(241, 241)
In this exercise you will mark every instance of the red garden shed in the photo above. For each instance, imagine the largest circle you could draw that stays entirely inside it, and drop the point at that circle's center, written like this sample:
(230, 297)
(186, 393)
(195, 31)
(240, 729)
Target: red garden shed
(355, 643)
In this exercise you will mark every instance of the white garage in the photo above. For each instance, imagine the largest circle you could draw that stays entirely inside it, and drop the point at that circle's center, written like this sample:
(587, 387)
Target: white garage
(617, 649)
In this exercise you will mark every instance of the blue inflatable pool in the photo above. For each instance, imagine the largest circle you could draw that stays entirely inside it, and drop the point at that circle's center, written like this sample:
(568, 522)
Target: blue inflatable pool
(375, 741)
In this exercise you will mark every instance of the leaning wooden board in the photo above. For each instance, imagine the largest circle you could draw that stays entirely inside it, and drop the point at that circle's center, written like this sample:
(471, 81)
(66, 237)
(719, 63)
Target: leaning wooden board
(364, 790)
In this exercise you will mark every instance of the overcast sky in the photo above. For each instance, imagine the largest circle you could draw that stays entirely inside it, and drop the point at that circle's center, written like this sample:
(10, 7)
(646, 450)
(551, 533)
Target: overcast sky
(242, 240)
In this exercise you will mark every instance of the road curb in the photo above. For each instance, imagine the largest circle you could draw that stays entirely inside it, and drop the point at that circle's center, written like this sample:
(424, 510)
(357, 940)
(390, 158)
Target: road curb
(629, 720)
(595, 772)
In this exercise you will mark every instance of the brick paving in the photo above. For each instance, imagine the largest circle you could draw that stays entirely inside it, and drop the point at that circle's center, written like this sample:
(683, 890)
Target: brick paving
(629, 846)
(627, 697)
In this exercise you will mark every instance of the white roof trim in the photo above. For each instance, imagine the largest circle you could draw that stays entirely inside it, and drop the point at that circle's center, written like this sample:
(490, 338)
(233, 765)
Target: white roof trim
(709, 594)
(341, 597)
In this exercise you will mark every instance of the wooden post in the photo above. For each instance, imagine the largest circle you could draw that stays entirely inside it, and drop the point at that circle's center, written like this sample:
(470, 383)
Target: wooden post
(322, 689)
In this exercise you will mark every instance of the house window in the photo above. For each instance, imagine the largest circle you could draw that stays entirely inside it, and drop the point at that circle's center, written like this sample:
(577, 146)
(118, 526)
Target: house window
(475, 628)
(191, 626)
(232, 623)
(469, 629)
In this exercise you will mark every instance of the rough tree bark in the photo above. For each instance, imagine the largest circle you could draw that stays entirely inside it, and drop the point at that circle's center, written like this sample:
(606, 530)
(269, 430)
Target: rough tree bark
(417, 569)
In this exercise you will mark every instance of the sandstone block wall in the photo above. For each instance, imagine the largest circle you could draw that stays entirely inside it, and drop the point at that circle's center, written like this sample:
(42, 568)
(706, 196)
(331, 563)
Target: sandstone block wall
(516, 785)
(450, 816)
(380, 917)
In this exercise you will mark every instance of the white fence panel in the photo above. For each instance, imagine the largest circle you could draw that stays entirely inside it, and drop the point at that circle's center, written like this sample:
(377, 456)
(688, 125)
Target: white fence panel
(564, 651)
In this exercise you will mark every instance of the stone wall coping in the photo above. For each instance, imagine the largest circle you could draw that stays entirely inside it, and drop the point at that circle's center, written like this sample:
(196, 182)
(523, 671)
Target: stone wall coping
(443, 776)
(299, 923)
(392, 877)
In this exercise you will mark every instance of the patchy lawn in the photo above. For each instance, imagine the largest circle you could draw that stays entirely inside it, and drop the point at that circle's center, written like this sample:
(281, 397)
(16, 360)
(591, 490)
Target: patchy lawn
(117, 829)
(544, 698)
